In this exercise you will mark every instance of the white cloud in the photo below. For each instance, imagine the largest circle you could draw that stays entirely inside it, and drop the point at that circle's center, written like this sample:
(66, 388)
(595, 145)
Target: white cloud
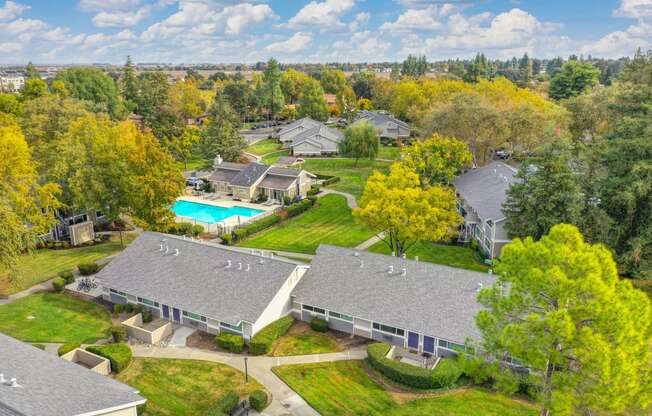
(325, 14)
(108, 5)
(297, 43)
(11, 10)
(120, 19)
(360, 20)
(10, 47)
(417, 19)
(634, 8)
(19, 26)
(359, 47)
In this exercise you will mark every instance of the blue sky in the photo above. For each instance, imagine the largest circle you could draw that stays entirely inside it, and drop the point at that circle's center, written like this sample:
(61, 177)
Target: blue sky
(195, 31)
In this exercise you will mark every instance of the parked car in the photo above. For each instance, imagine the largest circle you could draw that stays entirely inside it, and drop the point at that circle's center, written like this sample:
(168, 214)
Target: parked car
(193, 181)
(502, 154)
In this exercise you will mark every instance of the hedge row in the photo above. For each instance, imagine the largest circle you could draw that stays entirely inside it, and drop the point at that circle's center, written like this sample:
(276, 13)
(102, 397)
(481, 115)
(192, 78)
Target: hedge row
(66, 348)
(231, 342)
(257, 226)
(262, 342)
(118, 333)
(298, 208)
(119, 355)
(86, 269)
(186, 228)
(327, 179)
(224, 405)
(445, 374)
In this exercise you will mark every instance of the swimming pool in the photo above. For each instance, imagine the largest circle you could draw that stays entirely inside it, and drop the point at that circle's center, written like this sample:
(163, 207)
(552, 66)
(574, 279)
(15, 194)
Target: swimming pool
(210, 213)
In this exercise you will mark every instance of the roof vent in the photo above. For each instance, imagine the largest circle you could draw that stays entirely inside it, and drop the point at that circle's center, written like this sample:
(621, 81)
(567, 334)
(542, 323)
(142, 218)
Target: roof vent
(490, 271)
(390, 269)
(166, 250)
(261, 261)
(228, 264)
(271, 255)
(404, 272)
(2, 378)
(479, 286)
(356, 254)
(239, 265)
(160, 247)
(13, 383)
(176, 251)
(361, 263)
(248, 268)
(163, 240)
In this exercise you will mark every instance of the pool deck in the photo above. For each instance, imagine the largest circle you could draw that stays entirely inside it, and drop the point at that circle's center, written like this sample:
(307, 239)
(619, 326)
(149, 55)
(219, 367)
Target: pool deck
(224, 202)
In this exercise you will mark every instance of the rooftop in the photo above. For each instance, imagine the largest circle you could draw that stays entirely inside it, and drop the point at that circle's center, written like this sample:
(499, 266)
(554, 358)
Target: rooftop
(322, 130)
(249, 175)
(485, 189)
(429, 298)
(203, 278)
(52, 386)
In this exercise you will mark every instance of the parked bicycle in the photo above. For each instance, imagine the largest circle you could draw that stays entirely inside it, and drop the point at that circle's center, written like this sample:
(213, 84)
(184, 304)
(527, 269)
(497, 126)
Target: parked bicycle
(86, 284)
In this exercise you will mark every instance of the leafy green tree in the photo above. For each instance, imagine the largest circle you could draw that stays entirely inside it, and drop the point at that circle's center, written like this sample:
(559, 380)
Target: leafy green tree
(554, 66)
(347, 104)
(155, 105)
(546, 193)
(273, 95)
(221, 136)
(437, 160)
(291, 83)
(397, 205)
(182, 146)
(32, 72)
(92, 84)
(575, 78)
(414, 66)
(34, 88)
(186, 100)
(9, 104)
(129, 83)
(638, 70)
(559, 307)
(58, 88)
(312, 102)
(239, 95)
(363, 84)
(360, 141)
(333, 81)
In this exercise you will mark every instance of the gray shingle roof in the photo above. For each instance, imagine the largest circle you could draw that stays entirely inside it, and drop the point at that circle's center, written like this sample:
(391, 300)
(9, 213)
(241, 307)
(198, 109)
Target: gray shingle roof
(226, 171)
(306, 122)
(249, 175)
(431, 299)
(277, 182)
(380, 119)
(197, 280)
(53, 386)
(320, 130)
(485, 189)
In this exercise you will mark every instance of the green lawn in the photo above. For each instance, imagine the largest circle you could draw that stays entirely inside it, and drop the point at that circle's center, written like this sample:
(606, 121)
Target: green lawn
(272, 158)
(343, 388)
(352, 178)
(389, 152)
(264, 146)
(455, 256)
(303, 343)
(195, 162)
(331, 222)
(54, 317)
(183, 387)
(44, 264)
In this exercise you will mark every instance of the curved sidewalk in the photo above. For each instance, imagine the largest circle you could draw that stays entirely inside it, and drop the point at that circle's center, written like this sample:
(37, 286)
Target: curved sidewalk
(284, 400)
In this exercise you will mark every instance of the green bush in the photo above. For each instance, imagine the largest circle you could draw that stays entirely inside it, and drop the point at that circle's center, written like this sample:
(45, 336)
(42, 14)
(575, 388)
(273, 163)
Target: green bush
(231, 342)
(227, 239)
(197, 229)
(118, 333)
(446, 373)
(319, 325)
(257, 226)
(147, 316)
(86, 269)
(327, 179)
(67, 276)
(296, 209)
(314, 190)
(128, 307)
(119, 355)
(58, 284)
(118, 308)
(313, 199)
(258, 400)
(66, 348)
(400, 372)
(224, 405)
(262, 342)
(287, 200)
(476, 369)
(183, 228)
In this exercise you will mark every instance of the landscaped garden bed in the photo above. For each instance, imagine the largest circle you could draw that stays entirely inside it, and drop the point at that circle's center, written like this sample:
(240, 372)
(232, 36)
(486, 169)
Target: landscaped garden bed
(54, 317)
(301, 340)
(346, 388)
(184, 387)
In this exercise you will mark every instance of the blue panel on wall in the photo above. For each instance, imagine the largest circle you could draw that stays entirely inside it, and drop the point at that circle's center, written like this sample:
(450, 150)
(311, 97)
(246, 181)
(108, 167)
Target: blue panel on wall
(413, 340)
(429, 344)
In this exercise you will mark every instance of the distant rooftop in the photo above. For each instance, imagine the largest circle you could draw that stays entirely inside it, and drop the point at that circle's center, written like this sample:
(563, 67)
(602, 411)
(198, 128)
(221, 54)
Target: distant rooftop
(485, 188)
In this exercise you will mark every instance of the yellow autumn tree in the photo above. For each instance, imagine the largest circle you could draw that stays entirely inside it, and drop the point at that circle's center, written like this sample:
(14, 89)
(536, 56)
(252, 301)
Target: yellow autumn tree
(402, 213)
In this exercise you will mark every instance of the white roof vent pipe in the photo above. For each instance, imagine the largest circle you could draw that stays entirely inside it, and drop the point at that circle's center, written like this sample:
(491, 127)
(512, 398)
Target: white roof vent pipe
(13, 383)
(356, 254)
(390, 269)
(176, 251)
(480, 285)
(3, 380)
(404, 256)
(404, 272)
(166, 250)
(228, 264)
(160, 247)
(361, 263)
(239, 265)
(247, 268)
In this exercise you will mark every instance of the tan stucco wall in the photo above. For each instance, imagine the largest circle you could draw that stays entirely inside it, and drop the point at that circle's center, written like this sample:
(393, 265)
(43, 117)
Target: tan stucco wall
(96, 363)
(243, 193)
(149, 337)
(81, 233)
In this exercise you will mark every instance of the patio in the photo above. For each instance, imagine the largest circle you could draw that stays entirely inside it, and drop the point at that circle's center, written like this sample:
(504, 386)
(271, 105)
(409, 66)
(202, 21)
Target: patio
(150, 333)
(406, 356)
(89, 360)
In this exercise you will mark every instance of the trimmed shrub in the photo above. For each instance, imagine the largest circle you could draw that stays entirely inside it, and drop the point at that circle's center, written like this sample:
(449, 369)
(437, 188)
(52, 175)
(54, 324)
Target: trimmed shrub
(319, 325)
(258, 400)
(147, 316)
(241, 233)
(66, 348)
(86, 269)
(227, 239)
(401, 373)
(197, 229)
(327, 179)
(67, 276)
(231, 342)
(58, 284)
(296, 209)
(119, 355)
(262, 342)
(312, 199)
(476, 369)
(118, 333)
(314, 190)
(118, 308)
(128, 307)
(257, 226)
(446, 373)
(287, 200)
(224, 405)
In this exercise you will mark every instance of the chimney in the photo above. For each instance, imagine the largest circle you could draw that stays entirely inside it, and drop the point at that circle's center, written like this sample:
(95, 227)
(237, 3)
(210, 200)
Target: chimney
(390, 269)
(217, 161)
(404, 272)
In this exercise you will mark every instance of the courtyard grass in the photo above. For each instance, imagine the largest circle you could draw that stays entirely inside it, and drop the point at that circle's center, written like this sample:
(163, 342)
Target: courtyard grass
(389, 152)
(44, 264)
(343, 388)
(331, 222)
(448, 255)
(54, 317)
(271, 158)
(352, 178)
(183, 387)
(263, 147)
(304, 342)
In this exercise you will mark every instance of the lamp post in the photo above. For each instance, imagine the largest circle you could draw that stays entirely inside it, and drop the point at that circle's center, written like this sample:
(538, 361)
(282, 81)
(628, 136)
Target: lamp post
(246, 371)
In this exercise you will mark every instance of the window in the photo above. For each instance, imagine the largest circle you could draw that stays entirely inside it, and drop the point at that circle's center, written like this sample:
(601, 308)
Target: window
(451, 345)
(340, 316)
(194, 316)
(148, 302)
(119, 293)
(235, 328)
(389, 329)
(315, 310)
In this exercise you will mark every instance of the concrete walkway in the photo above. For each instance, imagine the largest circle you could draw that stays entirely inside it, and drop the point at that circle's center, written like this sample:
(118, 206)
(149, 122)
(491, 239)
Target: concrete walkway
(373, 240)
(47, 285)
(180, 335)
(350, 199)
(284, 400)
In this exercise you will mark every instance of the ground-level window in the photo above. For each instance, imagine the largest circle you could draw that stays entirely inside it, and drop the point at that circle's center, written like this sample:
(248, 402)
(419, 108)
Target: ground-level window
(451, 345)
(389, 329)
(194, 316)
(313, 309)
(233, 327)
(148, 302)
(118, 292)
(340, 316)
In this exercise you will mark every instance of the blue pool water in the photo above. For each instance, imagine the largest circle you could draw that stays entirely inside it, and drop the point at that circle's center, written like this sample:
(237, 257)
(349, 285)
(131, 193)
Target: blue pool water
(210, 213)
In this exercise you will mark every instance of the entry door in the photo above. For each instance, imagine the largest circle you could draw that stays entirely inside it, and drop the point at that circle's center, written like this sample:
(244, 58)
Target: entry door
(413, 340)
(166, 312)
(176, 315)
